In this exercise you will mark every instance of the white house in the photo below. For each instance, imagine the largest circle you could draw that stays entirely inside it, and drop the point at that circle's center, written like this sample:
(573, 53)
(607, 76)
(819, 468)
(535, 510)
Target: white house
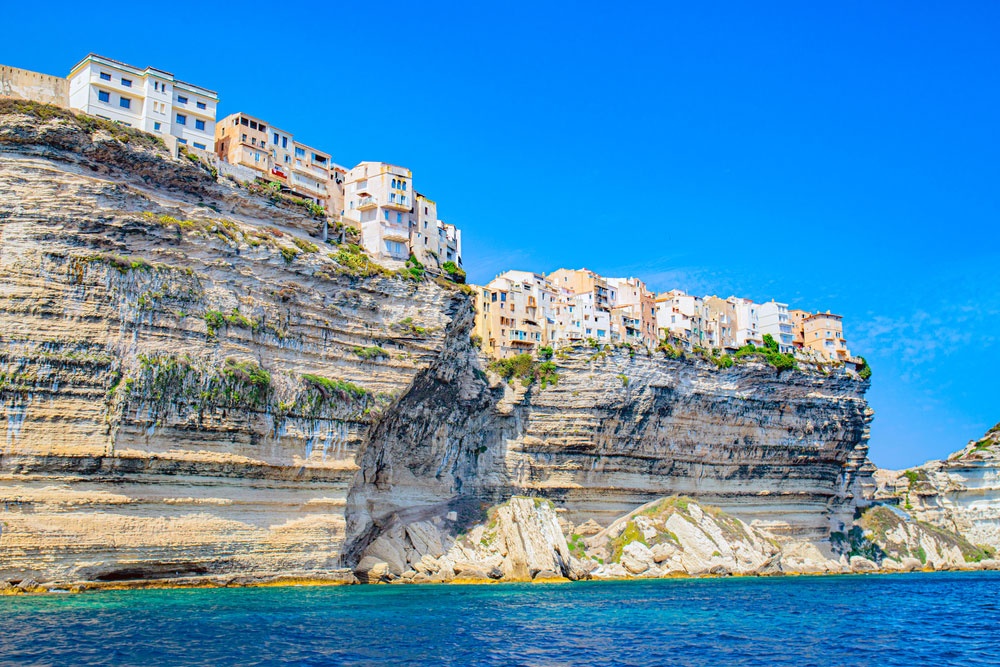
(773, 319)
(747, 321)
(147, 99)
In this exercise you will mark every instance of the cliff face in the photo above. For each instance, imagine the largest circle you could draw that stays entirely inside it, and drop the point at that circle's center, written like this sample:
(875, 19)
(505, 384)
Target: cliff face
(961, 493)
(619, 430)
(191, 384)
(185, 377)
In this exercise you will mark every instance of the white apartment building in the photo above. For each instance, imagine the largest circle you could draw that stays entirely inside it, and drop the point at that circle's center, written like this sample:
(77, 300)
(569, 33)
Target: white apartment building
(378, 197)
(450, 243)
(747, 322)
(579, 317)
(774, 319)
(147, 99)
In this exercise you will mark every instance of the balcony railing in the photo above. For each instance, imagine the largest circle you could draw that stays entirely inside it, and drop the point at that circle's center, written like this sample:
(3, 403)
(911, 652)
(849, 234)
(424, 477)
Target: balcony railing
(398, 203)
(367, 203)
(393, 232)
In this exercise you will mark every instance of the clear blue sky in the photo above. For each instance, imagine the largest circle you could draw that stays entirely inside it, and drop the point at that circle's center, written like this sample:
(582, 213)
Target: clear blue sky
(837, 156)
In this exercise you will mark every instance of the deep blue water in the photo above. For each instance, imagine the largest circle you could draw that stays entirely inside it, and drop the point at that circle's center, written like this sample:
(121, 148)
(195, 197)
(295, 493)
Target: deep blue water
(919, 619)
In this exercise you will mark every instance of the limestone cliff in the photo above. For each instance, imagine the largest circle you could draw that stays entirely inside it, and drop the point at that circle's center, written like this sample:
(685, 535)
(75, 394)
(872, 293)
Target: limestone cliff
(185, 375)
(619, 429)
(193, 383)
(960, 494)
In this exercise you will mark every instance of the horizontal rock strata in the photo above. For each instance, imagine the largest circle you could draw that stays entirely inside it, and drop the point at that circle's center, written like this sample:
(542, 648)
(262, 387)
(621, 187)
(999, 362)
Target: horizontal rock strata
(194, 384)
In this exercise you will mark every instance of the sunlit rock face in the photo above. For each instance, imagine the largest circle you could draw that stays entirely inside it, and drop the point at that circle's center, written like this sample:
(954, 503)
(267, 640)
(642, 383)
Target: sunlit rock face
(186, 374)
(961, 493)
(192, 383)
(617, 430)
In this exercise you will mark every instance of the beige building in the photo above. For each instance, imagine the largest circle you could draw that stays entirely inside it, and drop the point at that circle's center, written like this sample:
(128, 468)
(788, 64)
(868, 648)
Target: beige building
(720, 323)
(583, 306)
(302, 171)
(797, 319)
(310, 173)
(243, 140)
(511, 313)
(824, 333)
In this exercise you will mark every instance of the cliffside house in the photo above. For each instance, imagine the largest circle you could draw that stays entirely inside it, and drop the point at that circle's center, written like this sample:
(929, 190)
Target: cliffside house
(513, 313)
(147, 99)
(824, 333)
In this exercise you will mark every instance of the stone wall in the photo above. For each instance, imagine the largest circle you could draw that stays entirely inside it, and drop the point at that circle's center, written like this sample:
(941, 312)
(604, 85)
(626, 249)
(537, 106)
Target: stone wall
(27, 85)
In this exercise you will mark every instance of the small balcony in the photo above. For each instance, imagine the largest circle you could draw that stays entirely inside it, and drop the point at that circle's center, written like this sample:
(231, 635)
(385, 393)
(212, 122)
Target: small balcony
(367, 203)
(398, 233)
(398, 203)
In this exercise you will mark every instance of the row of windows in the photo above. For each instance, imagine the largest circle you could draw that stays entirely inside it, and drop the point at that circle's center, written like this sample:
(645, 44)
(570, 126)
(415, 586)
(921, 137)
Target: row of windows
(398, 184)
(399, 216)
(126, 103)
(157, 86)
(183, 100)
(199, 124)
(252, 124)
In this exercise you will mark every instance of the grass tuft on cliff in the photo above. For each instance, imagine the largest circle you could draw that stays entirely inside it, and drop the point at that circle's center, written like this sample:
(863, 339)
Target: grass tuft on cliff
(354, 262)
(330, 388)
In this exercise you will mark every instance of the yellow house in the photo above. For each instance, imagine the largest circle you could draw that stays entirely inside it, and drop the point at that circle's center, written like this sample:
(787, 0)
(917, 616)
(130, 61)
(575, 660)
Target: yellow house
(824, 333)
(242, 139)
(512, 313)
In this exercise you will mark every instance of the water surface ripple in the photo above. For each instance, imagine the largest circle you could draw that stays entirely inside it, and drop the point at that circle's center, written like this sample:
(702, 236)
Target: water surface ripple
(919, 619)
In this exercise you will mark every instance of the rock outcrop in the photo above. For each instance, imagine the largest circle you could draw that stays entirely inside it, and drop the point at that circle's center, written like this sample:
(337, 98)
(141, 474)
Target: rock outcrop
(193, 383)
(888, 538)
(521, 540)
(960, 494)
(677, 536)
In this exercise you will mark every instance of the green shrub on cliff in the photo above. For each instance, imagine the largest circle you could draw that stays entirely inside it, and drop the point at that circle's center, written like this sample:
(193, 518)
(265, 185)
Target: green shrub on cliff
(354, 262)
(723, 361)
(864, 370)
(769, 353)
(454, 271)
(88, 124)
(120, 264)
(246, 382)
(526, 369)
(669, 351)
(414, 269)
(305, 246)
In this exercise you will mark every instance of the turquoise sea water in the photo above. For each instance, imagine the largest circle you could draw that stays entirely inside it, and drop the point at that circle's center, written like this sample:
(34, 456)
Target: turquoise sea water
(919, 619)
